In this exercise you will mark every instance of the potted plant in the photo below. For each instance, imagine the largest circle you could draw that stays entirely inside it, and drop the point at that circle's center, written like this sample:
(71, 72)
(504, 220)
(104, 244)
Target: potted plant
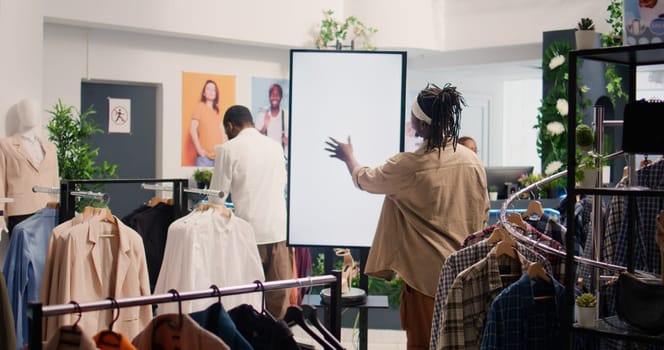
(493, 192)
(585, 34)
(588, 161)
(70, 131)
(203, 177)
(336, 32)
(587, 309)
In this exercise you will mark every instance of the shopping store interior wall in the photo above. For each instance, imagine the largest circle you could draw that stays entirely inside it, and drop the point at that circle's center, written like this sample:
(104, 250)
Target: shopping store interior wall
(154, 42)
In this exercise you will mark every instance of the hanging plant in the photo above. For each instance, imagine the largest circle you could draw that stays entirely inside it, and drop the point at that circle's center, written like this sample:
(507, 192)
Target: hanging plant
(336, 32)
(612, 39)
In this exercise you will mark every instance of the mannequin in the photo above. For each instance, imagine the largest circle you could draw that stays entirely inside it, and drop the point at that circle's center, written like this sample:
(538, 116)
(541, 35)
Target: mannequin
(26, 160)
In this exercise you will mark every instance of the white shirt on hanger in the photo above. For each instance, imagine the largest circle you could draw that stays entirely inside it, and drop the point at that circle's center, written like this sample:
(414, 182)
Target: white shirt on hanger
(205, 248)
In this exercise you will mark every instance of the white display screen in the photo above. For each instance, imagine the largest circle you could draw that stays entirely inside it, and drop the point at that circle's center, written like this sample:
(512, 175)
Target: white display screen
(340, 94)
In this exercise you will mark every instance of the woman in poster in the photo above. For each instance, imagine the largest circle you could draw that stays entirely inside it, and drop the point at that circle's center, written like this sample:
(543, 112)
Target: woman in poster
(206, 125)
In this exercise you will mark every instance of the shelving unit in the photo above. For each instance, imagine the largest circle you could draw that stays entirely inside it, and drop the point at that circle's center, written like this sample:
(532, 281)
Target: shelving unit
(631, 57)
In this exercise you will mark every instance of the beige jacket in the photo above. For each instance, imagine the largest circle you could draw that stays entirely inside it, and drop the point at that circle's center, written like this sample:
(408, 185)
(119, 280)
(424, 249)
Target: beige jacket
(18, 174)
(83, 264)
(431, 204)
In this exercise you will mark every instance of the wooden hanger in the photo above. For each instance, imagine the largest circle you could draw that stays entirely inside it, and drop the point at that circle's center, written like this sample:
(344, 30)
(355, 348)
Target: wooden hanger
(505, 247)
(499, 234)
(536, 269)
(53, 205)
(534, 208)
(516, 220)
(219, 208)
(156, 200)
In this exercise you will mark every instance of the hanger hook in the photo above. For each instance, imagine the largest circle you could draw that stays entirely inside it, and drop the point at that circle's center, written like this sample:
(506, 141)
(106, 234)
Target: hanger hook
(116, 315)
(77, 307)
(261, 287)
(176, 296)
(217, 292)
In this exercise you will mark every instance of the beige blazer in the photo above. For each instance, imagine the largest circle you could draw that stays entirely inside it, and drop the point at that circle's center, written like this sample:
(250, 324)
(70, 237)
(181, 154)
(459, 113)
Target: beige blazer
(18, 174)
(85, 265)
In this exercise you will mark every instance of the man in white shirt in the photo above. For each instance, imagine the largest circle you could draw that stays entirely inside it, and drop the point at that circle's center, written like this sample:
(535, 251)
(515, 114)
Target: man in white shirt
(252, 167)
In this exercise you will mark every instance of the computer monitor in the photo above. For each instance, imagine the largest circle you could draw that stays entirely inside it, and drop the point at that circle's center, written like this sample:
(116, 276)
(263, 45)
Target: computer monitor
(505, 178)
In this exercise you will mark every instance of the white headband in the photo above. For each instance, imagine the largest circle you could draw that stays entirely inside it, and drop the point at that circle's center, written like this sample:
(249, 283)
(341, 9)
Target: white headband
(419, 114)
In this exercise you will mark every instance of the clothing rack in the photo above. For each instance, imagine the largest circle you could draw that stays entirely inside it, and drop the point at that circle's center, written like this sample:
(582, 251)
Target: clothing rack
(36, 311)
(540, 245)
(68, 199)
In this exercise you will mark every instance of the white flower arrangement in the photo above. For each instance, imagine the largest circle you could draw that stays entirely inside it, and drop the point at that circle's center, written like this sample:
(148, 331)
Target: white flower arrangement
(553, 167)
(556, 62)
(562, 106)
(555, 128)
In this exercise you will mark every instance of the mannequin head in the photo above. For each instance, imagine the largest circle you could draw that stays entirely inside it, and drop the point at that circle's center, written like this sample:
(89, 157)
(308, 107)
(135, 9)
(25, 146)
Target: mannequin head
(29, 115)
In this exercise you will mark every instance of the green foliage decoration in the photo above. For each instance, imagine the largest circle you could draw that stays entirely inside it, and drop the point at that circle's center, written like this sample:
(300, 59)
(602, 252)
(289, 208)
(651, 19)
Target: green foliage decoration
(332, 30)
(70, 132)
(552, 117)
(612, 39)
(586, 300)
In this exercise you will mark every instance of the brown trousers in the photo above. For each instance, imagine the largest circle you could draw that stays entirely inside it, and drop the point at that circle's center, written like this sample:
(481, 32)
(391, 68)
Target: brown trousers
(277, 265)
(416, 313)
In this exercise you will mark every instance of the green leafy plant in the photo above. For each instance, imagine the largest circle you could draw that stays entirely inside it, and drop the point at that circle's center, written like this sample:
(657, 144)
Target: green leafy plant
(612, 39)
(586, 24)
(586, 300)
(70, 131)
(334, 31)
(493, 188)
(203, 177)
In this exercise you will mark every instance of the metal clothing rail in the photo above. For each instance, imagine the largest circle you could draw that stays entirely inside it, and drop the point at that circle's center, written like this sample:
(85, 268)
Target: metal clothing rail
(36, 311)
(68, 200)
(533, 243)
(42, 189)
(204, 191)
(207, 192)
(6, 200)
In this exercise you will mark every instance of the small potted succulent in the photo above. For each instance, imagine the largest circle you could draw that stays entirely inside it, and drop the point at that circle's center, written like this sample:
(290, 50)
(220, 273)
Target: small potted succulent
(586, 304)
(585, 34)
(493, 192)
(203, 178)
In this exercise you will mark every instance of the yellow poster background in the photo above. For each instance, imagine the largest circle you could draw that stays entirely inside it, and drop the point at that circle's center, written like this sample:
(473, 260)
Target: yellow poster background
(192, 87)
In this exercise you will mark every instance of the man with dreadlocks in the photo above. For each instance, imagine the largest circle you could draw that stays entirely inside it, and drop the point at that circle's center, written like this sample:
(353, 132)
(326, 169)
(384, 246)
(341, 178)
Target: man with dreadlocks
(434, 198)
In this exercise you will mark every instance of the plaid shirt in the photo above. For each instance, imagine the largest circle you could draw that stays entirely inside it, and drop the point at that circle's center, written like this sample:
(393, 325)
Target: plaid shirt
(646, 253)
(549, 225)
(457, 262)
(613, 222)
(517, 321)
(557, 262)
(469, 299)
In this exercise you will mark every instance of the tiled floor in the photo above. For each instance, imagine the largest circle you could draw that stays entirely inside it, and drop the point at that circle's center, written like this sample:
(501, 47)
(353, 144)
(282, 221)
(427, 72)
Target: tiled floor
(379, 339)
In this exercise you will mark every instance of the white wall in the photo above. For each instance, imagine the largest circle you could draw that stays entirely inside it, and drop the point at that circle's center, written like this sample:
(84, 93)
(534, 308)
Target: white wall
(129, 57)
(21, 58)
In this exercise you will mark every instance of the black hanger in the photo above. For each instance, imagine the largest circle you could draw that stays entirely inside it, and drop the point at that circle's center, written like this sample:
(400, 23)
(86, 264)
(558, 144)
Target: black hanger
(72, 335)
(117, 338)
(176, 296)
(311, 315)
(295, 316)
(217, 292)
(261, 287)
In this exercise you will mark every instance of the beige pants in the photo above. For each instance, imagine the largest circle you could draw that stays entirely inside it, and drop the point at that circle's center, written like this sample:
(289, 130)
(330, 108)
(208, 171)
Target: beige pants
(416, 313)
(277, 266)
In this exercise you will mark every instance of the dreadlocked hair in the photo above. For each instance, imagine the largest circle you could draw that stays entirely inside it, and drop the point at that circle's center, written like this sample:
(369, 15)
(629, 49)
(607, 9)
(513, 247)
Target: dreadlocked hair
(444, 107)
